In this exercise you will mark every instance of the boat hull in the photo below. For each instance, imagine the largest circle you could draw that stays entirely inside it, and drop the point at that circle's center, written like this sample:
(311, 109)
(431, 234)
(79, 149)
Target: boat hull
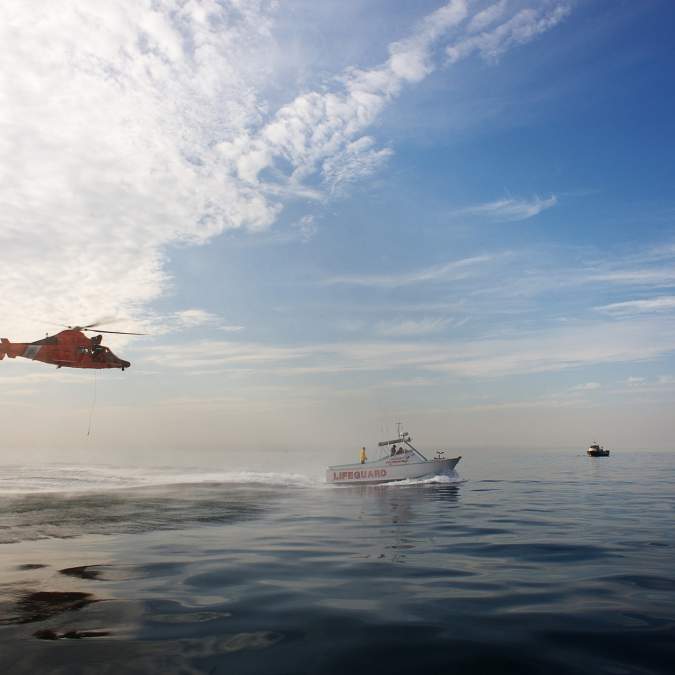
(388, 470)
(597, 453)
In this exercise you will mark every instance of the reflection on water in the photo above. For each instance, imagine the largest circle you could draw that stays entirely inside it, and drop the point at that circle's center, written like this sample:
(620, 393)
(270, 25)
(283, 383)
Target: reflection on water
(63, 515)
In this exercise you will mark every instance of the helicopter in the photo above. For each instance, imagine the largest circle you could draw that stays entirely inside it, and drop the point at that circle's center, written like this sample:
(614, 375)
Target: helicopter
(70, 348)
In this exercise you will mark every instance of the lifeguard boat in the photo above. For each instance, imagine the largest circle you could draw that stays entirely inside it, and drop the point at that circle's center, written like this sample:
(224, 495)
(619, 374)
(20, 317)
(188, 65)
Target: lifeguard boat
(400, 460)
(595, 450)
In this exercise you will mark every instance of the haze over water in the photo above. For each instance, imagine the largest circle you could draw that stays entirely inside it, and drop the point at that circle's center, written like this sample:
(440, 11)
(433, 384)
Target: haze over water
(522, 563)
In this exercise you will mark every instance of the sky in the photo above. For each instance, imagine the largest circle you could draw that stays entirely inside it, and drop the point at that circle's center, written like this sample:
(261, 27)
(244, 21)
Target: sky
(331, 217)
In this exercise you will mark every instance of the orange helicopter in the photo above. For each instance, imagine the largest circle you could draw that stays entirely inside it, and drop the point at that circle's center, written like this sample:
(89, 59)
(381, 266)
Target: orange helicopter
(70, 348)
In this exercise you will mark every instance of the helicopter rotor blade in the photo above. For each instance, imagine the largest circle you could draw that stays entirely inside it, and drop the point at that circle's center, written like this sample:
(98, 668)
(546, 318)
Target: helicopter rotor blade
(113, 332)
(100, 322)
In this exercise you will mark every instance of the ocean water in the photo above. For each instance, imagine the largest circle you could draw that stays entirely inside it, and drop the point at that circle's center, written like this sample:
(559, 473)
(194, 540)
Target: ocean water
(547, 562)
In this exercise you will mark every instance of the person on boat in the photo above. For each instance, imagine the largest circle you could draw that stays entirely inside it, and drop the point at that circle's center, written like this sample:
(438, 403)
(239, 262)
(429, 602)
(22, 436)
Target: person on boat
(393, 449)
(362, 456)
(400, 451)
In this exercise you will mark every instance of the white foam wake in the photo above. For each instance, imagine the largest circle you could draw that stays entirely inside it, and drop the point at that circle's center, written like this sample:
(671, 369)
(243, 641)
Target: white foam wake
(77, 478)
(452, 478)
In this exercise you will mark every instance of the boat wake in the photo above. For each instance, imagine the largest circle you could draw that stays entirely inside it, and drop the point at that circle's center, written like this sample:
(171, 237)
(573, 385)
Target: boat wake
(16, 480)
(62, 502)
(452, 478)
(66, 502)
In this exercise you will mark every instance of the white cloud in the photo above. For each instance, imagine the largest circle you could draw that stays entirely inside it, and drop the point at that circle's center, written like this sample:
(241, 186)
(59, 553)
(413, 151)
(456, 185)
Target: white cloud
(306, 227)
(587, 386)
(510, 209)
(552, 403)
(523, 27)
(487, 17)
(566, 346)
(197, 318)
(358, 160)
(647, 276)
(450, 271)
(132, 126)
(660, 304)
(638, 386)
(191, 318)
(321, 131)
(635, 380)
(546, 350)
(410, 327)
(105, 128)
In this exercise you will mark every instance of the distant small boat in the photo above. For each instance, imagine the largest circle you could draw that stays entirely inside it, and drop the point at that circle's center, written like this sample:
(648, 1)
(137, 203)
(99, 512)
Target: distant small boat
(401, 461)
(595, 450)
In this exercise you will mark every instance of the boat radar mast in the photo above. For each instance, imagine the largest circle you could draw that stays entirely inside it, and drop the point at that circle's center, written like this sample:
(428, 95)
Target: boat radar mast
(403, 437)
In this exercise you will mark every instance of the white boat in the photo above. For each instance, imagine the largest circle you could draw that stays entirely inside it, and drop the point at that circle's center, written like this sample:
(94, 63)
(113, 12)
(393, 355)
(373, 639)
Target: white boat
(400, 461)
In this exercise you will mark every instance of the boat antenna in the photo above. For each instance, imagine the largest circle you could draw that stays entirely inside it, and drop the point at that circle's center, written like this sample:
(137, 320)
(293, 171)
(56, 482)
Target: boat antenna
(398, 429)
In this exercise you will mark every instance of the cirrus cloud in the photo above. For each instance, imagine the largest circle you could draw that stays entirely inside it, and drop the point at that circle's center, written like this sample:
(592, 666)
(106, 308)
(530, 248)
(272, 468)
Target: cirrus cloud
(510, 209)
(130, 127)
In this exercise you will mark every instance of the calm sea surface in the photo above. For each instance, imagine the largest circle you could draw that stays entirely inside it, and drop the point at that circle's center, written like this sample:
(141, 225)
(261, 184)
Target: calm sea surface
(523, 563)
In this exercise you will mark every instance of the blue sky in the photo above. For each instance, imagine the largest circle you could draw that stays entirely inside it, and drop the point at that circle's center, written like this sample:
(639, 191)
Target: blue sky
(331, 216)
